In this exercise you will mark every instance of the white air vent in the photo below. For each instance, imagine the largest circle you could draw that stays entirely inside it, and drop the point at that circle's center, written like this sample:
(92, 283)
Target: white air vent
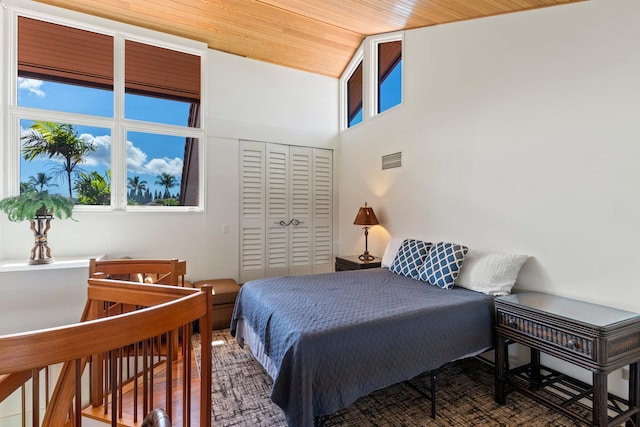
(393, 160)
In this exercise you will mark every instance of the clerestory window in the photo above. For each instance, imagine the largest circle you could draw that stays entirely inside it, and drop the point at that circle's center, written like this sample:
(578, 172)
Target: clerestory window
(354, 97)
(372, 83)
(389, 75)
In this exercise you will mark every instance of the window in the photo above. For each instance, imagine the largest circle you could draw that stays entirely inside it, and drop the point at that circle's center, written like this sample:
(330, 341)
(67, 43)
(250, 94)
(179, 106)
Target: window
(70, 159)
(154, 168)
(78, 126)
(160, 84)
(372, 83)
(354, 97)
(64, 69)
(389, 72)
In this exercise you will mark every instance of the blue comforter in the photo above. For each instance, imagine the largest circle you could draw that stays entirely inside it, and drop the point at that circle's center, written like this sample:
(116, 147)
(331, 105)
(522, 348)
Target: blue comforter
(336, 337)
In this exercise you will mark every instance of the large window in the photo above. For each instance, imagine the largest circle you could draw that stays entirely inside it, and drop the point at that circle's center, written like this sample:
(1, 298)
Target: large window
(102, 140)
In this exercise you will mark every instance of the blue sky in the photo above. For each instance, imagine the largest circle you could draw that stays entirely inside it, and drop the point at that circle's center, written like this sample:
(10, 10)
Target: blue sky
(148, 155)
(390, 93)
(391, 89)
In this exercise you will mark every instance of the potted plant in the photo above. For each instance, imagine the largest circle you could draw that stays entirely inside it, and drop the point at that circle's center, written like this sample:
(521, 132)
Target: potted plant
(39, 208)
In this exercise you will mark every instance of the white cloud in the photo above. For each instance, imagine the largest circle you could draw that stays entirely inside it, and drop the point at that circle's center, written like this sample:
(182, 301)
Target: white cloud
(32, 86)
(165, 165)
(102, 155)
(135, 158)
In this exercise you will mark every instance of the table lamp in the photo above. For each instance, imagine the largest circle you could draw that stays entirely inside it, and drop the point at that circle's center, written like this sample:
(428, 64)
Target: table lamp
(367, 218)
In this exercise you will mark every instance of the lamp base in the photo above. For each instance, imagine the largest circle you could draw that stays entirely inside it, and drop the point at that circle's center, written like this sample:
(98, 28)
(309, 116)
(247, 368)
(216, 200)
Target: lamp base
(366, 257)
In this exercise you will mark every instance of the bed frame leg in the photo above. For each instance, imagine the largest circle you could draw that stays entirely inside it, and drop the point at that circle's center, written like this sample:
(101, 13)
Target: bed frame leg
(434, 374)
(431, 395)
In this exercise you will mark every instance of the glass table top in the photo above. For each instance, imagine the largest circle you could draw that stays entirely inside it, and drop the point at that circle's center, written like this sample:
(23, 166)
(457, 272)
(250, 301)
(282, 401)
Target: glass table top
(581, 311)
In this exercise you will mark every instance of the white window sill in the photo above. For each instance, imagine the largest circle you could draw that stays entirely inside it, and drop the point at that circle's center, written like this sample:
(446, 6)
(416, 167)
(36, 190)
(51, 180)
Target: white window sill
(59, 263)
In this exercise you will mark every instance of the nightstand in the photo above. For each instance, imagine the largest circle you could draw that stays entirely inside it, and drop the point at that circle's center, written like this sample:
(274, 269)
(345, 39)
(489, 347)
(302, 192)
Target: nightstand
(597, 338)
(352, 262)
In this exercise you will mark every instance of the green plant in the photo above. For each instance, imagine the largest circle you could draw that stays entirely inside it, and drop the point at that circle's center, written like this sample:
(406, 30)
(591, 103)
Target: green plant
(33, 203)
(58, 141)
(93, 188)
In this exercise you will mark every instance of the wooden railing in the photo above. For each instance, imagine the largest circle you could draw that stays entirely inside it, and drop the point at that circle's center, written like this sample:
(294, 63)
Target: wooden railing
(101, 339)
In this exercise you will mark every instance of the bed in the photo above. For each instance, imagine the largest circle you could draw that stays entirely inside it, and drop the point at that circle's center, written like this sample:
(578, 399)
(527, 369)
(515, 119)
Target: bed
(329, 339)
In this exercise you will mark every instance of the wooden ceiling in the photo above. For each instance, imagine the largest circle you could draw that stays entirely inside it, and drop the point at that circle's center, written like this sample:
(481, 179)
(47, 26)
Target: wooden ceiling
(319, 36)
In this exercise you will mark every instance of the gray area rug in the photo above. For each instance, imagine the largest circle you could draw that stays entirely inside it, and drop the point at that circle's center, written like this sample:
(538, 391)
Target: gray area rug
(465, 397)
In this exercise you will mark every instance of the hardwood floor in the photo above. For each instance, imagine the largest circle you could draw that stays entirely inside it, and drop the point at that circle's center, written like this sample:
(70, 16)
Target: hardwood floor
(159, 396)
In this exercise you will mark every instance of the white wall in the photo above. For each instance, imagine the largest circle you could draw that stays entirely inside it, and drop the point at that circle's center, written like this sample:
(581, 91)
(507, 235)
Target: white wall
(289, 111)
(245, 100)
(519, 133)
(258, 101)
(3, 118)
(42, 296)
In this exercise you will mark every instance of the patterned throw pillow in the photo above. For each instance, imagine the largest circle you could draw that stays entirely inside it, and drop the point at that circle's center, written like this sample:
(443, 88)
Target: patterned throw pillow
(410, 257)
(443, 264)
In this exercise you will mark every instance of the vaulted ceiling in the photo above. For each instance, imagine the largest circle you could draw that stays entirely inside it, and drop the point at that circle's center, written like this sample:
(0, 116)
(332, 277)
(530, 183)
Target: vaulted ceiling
(319, 36)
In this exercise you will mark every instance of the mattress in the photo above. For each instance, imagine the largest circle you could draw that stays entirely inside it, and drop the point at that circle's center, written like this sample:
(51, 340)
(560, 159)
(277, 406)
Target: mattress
(328, 339)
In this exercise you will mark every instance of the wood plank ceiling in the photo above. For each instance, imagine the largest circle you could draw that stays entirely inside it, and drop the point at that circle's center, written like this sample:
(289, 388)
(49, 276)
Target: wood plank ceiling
(319, 36)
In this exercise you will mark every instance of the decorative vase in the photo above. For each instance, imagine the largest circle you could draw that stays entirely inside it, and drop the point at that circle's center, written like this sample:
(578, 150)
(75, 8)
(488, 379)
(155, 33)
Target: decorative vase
(41, 253)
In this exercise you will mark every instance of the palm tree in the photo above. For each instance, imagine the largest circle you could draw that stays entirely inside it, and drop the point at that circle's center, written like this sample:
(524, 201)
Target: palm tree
(137, 186)
(56, 140)
(41, 180)
(25, 186)
(168, 181)
(93, 188)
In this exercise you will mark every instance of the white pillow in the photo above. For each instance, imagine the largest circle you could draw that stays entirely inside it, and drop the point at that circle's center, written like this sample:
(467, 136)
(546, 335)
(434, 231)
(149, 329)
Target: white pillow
(490, 272)
(390, 252)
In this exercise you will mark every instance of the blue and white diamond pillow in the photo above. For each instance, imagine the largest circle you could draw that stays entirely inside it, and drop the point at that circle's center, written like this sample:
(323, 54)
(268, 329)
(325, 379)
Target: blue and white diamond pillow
(442, 265)
(410, 257)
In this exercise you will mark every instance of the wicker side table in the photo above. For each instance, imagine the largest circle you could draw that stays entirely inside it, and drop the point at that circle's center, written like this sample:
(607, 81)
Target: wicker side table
(598, 338)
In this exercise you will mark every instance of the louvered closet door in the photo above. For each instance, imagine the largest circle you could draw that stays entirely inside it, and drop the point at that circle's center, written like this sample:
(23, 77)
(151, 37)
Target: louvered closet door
(277, 210)
(322, 255)
(252, 211)
(297, 209)
(301, 227)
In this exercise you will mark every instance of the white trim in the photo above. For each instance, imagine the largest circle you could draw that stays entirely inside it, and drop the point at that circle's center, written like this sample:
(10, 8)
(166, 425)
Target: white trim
(118, 153)
(374, 41)
(10, 266)
(368, 54)
(346, 75)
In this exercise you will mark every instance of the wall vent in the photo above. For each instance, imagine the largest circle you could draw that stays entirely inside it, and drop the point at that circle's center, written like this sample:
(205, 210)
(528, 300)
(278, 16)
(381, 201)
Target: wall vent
(393, 160)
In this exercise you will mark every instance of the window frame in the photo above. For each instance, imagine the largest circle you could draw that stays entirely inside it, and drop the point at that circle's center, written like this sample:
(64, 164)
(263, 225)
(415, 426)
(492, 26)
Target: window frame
(12, 113)
(368, 54)
(374, 71)
(356, 60)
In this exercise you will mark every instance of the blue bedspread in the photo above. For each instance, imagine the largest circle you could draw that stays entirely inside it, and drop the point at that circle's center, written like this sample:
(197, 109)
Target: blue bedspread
(336, 337)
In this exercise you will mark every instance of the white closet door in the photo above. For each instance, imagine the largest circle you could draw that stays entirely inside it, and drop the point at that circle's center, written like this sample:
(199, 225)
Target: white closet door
(252, 211)
(277, 210)
(286, 210)
(322, 255)
(301, 221)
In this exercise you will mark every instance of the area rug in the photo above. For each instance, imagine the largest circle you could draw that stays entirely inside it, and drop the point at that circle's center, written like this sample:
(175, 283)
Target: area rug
(240, 396)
